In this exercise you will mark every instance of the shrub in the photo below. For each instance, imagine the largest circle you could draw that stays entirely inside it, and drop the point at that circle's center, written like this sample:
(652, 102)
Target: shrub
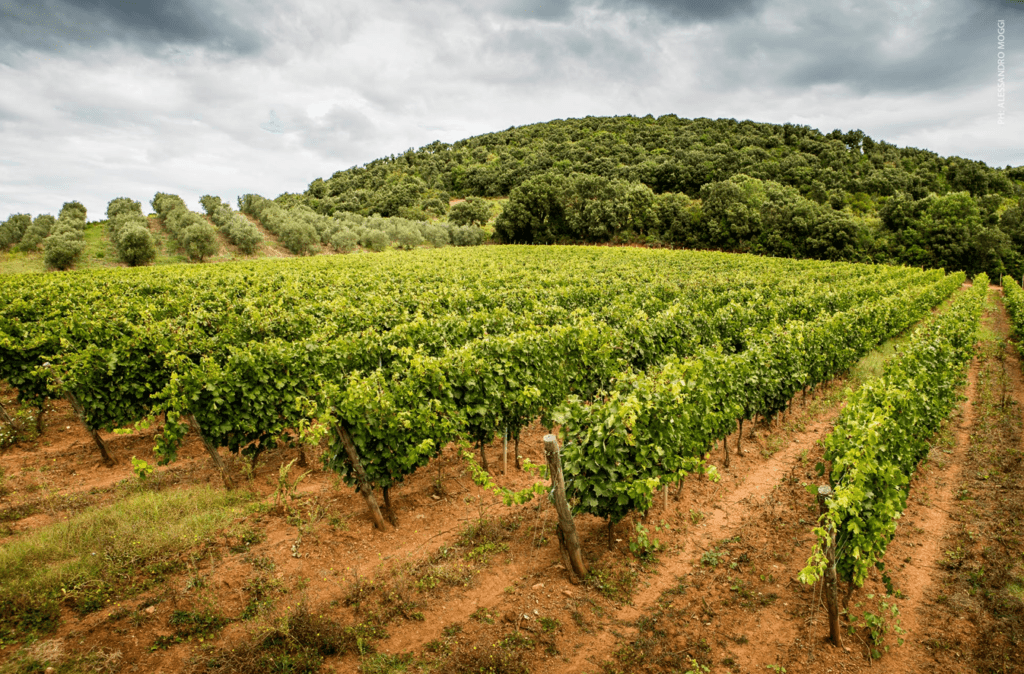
(211, 203)
(408, 238)
(375, 240)
(199, 240)
(435, 235)
(344, 240)
(62, 250)
(36, 233)
(123, 206)
(467, 235)
(44, 223)
(298, 237)
(244, 234)
(73, 211)
(239, 230)
(135, 244)
(163, 203)
(13, 229)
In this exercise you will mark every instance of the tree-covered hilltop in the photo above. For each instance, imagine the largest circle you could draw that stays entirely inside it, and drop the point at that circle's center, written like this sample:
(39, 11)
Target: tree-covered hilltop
(775, 189)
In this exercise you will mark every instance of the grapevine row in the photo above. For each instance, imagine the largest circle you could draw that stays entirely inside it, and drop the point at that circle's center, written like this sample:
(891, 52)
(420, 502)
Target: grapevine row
(884, 432)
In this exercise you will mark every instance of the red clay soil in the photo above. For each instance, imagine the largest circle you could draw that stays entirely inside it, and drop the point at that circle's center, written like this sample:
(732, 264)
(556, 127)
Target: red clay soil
(722, 594)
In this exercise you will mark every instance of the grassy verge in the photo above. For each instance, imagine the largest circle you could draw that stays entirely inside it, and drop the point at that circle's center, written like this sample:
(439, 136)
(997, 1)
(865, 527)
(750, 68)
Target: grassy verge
(103, 554)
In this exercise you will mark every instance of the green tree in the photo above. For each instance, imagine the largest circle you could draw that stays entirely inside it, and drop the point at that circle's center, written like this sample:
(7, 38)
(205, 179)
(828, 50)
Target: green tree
(135, 244)
(732, 211)
(123, 206)
(200, 241)
(472, 211)
(62, 250)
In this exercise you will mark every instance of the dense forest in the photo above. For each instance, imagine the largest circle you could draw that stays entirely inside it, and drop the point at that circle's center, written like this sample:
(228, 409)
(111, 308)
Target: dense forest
(783, 190)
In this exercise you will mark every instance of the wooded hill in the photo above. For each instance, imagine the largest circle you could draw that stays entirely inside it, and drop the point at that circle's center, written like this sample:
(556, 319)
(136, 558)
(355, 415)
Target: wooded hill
(784, 190)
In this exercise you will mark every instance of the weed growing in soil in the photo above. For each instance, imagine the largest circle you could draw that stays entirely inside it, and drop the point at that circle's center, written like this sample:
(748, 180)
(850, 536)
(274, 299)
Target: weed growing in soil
(501, 657)
(260, 590)
(189, 625)
(297, 643)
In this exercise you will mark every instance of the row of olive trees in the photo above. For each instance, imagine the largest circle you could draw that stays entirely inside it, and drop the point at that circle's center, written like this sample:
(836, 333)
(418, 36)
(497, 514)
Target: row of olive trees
(129, 230)
(240, 230)
(62, 238)
(301, 229)
(293, 229)
(36, 232)
(191, 231)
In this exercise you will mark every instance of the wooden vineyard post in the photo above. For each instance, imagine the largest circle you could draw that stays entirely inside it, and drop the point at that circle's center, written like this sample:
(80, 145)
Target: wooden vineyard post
(831, 581)
(214, 454)
(80, 411)
(725, 448)
(504, 453)
(567, 536)
(364, 484)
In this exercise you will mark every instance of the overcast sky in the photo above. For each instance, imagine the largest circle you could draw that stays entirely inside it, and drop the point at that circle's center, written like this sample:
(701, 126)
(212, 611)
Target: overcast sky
(107, 98)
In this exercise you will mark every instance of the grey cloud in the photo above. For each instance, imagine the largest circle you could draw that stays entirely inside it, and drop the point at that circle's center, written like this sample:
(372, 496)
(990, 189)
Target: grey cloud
(536, 9)
(676, 10)
(867, 47)
(691, 10)
(342, 132)
(54, 25)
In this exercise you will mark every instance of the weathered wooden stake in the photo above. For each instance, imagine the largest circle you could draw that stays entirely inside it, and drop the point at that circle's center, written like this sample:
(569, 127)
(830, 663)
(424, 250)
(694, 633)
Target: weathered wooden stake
(214, 454)
(725, 448)
(80, 411)
(739, 438)
(364, 484)
(504, 453)
(517, 450)
(831, 582)
(566, 526)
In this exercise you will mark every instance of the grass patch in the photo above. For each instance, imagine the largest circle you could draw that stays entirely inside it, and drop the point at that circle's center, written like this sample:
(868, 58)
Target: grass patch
(44, 656)
(104, 553)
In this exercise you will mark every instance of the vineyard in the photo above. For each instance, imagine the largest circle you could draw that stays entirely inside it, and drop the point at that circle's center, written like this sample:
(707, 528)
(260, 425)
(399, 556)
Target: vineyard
(447, 433)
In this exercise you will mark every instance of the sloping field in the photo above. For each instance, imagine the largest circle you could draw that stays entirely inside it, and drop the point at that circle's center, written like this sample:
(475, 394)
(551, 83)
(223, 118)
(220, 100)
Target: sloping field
(691, 393)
